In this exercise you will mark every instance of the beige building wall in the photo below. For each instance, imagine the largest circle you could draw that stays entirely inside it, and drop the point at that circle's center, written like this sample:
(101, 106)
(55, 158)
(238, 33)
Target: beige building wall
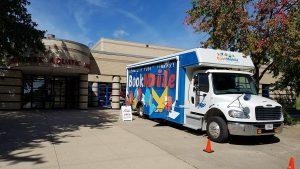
(110, 58)
(268, 79)
(133, 48)
(10, 89)
(83, 92)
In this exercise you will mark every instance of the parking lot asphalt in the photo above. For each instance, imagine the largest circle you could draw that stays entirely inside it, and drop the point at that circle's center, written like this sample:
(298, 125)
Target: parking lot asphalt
(99, 139)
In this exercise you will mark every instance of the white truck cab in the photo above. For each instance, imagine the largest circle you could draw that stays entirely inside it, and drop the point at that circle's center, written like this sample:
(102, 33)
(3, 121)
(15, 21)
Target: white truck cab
(204, 89)
(229, 99)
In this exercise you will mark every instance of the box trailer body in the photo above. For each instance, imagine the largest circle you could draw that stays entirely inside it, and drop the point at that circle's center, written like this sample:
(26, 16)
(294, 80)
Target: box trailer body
(203, 89)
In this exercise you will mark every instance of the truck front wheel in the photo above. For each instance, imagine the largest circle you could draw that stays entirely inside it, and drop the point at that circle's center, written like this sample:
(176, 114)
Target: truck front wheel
(216, 129)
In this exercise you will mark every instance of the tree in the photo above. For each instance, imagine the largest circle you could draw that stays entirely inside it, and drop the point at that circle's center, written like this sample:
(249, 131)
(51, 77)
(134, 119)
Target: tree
(19, 37)
(289, 48)
(248, 26)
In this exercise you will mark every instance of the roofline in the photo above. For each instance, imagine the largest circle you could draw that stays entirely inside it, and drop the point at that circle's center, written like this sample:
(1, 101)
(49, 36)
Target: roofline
(138, 44)
(65, 40)
(167, 57)
(122, 54)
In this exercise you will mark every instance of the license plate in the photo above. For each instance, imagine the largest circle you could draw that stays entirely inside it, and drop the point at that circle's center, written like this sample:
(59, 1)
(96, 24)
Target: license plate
(268, 126)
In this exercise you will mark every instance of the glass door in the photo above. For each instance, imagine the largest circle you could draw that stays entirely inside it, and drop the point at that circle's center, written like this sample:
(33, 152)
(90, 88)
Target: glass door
(27, 90)
(38, 92)
(59, 87)
(104, 93)
(50, 92)
(72, 92)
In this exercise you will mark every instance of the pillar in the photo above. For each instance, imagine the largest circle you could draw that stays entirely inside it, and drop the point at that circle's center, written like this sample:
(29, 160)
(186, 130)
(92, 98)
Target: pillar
(83, 92)
(94, 94)
(115, 93)
(10, 89)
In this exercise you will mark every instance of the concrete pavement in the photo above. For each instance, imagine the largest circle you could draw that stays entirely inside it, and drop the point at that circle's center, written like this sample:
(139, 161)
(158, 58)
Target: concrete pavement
(98, 139)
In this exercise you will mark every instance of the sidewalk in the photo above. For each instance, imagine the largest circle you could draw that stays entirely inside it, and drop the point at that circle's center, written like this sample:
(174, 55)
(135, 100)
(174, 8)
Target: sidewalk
(75, 139)
(97, 139)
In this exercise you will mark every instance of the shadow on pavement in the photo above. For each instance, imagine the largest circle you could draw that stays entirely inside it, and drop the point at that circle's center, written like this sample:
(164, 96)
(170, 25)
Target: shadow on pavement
(23, 131)
(237, 140)
(253, 140)
(161, 123)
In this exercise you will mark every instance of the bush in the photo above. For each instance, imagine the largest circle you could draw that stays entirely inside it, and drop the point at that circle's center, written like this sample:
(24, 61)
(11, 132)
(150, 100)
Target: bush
(288, 120)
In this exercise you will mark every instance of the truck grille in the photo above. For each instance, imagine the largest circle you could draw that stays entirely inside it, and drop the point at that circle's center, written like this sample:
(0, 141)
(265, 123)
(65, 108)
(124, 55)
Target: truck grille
(268, 113)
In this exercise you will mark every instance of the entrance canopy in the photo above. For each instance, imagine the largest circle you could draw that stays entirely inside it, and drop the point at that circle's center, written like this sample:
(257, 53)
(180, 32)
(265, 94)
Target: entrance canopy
(63, 57)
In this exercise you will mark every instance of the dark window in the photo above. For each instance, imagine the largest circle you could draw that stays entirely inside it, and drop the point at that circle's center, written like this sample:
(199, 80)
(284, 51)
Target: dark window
(233, 83)
(123, 93)
(266, 90)
(50, 92)
(104, 94)
(201, 82)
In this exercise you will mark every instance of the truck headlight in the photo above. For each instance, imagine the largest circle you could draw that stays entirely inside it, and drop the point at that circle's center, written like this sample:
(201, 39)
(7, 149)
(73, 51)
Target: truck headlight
(238, 114)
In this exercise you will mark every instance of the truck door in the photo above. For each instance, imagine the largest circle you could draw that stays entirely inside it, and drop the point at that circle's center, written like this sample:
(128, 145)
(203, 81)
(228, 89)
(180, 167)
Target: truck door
(199, 93)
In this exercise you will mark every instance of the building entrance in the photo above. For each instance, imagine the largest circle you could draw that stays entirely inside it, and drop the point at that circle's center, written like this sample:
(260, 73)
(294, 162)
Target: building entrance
(48, 92)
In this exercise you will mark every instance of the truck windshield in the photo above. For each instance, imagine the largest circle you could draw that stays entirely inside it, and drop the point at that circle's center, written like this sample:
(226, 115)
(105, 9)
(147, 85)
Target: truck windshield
(233, 83)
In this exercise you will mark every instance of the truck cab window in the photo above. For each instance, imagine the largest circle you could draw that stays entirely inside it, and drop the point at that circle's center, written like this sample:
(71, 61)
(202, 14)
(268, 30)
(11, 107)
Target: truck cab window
(201, 82)
(233, 83)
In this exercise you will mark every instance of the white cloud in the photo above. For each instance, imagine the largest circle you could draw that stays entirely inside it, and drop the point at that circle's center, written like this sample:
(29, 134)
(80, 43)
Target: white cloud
(99, 3)
(55, 25)
(79, 16)
(60, 32)
(120, 33)
(138, 20)
(149, 30)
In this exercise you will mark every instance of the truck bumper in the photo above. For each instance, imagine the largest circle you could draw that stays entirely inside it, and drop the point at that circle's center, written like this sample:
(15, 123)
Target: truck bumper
(253, 129)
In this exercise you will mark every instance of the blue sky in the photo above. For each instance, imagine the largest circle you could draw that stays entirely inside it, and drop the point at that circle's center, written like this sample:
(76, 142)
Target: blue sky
(159, 22)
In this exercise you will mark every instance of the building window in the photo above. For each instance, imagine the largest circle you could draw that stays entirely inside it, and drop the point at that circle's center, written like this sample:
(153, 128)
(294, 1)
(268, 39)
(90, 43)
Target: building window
(50, 92)
(104, 94)
(122, 93)
(265, 90)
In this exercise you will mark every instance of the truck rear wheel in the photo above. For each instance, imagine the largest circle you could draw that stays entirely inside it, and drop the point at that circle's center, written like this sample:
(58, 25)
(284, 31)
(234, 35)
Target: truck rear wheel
(216, 129)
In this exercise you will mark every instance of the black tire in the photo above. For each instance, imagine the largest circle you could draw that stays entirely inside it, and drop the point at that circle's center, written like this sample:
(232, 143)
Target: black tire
(268, 138)
(223, 129)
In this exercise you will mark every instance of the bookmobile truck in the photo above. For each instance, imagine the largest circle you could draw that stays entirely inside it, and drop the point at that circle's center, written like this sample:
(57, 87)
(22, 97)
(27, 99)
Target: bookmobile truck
(204, 89)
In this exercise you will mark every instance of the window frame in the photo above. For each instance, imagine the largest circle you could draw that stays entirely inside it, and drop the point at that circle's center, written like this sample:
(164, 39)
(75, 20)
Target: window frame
(203, 88)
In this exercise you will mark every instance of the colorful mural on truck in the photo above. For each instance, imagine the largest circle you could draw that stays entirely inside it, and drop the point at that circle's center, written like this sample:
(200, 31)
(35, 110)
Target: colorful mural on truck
(155, 86)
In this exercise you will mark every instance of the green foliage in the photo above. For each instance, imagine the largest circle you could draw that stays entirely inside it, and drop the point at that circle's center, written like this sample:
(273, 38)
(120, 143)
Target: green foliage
(298, 103)
(288, 55)
(223, 20)
(258, 28)
(19, 37)
(288, 120)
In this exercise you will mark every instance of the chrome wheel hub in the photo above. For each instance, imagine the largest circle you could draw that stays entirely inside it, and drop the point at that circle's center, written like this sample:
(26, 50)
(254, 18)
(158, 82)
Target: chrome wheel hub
(214, 129)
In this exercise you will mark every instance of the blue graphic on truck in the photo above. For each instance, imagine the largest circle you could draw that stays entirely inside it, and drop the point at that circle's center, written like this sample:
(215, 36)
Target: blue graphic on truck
(154, 86)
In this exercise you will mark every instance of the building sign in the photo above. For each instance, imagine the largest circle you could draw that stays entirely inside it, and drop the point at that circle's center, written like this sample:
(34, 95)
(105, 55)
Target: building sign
(55, 60)
(70, 62)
